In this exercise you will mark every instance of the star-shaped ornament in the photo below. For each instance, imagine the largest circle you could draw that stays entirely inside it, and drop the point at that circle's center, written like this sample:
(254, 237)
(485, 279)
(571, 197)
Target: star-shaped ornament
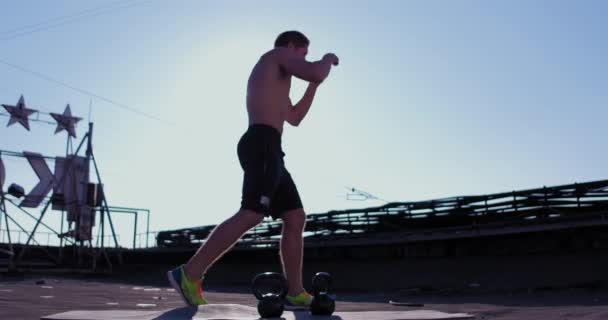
(19, 113)
(66, 122)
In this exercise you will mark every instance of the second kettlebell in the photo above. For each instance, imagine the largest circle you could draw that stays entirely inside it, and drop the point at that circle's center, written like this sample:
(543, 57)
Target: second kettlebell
(323, 303)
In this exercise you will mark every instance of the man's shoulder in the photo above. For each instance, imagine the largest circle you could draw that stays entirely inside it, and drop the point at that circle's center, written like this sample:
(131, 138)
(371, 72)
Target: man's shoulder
(276, 54)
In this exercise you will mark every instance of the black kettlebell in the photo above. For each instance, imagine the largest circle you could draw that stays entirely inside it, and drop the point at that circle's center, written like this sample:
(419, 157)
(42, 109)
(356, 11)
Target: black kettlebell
(270, 288)
(323, 303)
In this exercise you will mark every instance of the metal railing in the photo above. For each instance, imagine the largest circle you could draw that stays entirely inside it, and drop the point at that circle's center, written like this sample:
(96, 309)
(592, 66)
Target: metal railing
(580, 204)
(51, 237)
(41, 238)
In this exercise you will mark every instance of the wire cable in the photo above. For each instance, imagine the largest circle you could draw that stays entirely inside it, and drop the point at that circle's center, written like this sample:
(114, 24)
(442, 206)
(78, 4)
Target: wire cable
(85, 92)
(63, 20)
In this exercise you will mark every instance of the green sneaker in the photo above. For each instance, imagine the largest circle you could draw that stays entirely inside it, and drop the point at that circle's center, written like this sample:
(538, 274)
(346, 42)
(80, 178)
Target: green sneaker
(301, 300)
(190, 291)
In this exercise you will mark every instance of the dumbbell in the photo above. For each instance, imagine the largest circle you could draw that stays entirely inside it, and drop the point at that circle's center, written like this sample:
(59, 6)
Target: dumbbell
(323, 303)
(270, 288)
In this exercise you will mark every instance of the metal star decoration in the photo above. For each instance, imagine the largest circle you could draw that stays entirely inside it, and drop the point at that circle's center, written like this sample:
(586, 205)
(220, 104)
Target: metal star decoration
(66, 122)
(19, 113)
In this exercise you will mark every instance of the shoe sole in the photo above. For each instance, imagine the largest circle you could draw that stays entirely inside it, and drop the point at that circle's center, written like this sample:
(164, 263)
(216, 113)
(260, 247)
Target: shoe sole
(290, 307)
(177, 288)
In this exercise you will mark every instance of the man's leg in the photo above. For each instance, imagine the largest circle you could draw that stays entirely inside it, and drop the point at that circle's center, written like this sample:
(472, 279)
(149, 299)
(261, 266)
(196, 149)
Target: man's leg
(223, 237)
(292, 248)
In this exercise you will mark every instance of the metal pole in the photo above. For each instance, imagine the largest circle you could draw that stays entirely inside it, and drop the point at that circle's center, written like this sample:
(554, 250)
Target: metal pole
(148, 228)
(107, 210)
(81, 142)
(135, 232)
(67, 147)
(102, 225)
(8, 232)
(67, 154)
(90, 141)
(105, 202)
(61, 238)
(89, 155)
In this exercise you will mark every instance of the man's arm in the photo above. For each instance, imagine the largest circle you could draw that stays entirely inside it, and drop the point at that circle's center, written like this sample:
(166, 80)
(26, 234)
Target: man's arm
(297, 113)
(300, 68)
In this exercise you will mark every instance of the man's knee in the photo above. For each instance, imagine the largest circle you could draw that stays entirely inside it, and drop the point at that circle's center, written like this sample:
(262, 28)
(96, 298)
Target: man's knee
(294, 220)
(253, 218)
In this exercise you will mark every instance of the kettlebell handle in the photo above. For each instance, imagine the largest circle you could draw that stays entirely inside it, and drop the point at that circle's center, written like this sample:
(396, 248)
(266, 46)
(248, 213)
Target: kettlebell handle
(269, 276)
(321, 283)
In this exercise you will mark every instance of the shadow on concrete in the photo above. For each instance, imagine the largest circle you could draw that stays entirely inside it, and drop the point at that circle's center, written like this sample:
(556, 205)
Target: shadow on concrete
(185, 313)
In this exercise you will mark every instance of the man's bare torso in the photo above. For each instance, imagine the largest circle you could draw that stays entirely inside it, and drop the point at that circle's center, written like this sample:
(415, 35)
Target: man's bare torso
(268, 93)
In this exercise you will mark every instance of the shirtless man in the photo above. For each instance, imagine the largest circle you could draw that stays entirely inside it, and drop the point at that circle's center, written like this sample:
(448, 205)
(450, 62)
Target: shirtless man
(268, 189)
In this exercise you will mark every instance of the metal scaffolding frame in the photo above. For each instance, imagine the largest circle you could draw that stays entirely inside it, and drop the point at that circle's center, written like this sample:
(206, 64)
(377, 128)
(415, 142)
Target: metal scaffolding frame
(80, 246)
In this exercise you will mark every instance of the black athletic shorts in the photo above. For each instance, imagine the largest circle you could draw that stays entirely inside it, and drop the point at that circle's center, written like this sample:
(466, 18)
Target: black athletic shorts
(267, 186)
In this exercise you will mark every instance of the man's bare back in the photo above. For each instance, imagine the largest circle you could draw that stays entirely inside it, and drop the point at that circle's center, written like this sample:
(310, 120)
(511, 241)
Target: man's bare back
(268, 86)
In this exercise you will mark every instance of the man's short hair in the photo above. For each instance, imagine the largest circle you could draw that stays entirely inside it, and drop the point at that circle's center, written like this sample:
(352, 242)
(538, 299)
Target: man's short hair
(297, 38)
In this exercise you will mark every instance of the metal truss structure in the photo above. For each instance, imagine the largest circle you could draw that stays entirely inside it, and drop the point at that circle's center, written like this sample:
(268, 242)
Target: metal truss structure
(84, 255)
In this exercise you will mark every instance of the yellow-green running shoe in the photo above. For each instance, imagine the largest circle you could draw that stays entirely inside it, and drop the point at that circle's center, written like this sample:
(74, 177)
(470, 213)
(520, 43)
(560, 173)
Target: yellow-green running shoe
(301, 300)
(190, 291)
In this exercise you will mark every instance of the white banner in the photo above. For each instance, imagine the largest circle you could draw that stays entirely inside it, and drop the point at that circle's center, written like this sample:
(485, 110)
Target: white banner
(71, 179)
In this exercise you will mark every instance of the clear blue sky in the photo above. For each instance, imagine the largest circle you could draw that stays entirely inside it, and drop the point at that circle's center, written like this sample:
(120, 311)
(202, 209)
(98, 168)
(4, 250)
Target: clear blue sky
(431, 99)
